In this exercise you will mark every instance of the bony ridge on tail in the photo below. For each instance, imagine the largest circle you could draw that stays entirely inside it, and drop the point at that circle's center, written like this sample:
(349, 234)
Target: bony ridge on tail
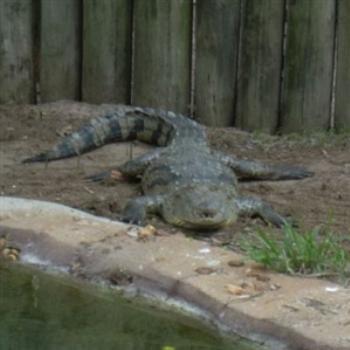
(184, 181)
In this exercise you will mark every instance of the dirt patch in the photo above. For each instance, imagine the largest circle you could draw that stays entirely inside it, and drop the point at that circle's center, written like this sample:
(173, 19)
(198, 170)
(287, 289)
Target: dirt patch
(26, 130)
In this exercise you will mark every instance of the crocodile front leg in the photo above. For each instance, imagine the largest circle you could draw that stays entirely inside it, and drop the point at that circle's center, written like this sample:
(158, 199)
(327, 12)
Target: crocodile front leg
(253, 170)
(137, 209)
(254, 206)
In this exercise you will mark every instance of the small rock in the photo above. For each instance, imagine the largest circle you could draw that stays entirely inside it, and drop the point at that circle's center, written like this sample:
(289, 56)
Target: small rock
(132, 232)
(235, 263)
(120, 278)
(274, 286)
(205, 270)
(204, 250)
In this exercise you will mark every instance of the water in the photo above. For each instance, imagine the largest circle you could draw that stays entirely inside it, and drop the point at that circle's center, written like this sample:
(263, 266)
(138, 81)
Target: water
(38, 311)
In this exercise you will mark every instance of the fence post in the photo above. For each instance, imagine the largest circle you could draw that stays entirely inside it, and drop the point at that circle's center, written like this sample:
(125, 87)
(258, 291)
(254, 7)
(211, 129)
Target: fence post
(60, 50)
(259, 72)
(306, 98)
(106, 51)
(162, 52)
(216, 60)
(342, 103)
(16, 52)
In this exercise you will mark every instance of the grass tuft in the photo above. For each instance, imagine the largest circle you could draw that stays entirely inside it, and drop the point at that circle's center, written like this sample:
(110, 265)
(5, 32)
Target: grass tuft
(298, 253)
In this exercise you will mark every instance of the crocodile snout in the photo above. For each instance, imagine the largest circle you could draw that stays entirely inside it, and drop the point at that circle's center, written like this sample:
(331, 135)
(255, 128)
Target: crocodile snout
(207, 213)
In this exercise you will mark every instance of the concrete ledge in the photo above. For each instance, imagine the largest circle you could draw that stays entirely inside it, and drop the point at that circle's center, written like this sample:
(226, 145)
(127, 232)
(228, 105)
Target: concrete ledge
(281, 311)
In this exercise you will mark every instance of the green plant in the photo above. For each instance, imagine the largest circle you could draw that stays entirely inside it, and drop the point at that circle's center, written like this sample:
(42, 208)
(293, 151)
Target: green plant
(297, 253)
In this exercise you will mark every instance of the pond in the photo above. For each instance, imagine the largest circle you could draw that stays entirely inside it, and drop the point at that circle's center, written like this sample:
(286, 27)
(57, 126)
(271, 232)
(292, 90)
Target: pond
(40, 311)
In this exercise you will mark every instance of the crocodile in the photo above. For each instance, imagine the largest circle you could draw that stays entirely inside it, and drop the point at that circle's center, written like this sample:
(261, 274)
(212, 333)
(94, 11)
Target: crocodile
(184, 181)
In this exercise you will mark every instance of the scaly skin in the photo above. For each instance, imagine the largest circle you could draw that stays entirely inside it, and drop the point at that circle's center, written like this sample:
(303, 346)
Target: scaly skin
(184, 181)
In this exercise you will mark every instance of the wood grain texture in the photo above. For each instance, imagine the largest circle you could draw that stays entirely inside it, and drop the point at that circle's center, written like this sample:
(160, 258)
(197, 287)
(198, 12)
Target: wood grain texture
(162, 54)
(306, 98)
(106, 51)
(16, 52)
(216, 60)
(60, 50)
(342, 100)
(259, 72)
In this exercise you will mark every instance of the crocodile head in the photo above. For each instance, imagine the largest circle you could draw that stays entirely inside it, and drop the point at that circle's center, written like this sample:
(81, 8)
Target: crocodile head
(203, 207)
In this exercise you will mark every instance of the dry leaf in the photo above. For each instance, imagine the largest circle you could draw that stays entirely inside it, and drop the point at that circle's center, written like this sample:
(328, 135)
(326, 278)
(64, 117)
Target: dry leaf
(117, 175)
(235, 290)
(259, 276)
(2, 243)
(146, 232)
(12, 257)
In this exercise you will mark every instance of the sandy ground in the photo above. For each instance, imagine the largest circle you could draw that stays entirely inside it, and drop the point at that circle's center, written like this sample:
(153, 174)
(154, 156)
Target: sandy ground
(321, 201)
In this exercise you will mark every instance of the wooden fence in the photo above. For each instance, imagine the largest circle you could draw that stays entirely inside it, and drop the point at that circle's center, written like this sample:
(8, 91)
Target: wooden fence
(272, 65)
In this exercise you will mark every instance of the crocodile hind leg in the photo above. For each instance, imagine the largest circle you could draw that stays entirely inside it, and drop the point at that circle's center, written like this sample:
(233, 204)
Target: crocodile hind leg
(256, 207)
(254, 170)
(137, 166)
(132, 168)
(137, 209)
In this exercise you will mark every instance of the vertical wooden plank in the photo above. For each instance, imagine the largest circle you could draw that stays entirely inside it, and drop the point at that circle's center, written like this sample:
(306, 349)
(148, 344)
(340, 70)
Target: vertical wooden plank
(106, 51)
(216, 60)
(60, 50)
(342, 101)
(162, 54)
(259, 72)
(16, 47)
(308, 66)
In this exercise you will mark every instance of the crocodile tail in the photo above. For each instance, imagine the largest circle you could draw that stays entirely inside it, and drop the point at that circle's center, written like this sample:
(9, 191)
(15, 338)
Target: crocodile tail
(121, 125)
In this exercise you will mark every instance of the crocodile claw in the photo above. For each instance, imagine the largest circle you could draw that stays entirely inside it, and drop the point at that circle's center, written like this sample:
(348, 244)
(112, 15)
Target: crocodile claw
(133, 220)
(42, 157)
(285, 172)
(113, 175)
(97, 177)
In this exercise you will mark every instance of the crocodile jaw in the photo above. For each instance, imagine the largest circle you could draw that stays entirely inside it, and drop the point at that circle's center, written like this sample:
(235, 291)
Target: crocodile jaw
(200, 208)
